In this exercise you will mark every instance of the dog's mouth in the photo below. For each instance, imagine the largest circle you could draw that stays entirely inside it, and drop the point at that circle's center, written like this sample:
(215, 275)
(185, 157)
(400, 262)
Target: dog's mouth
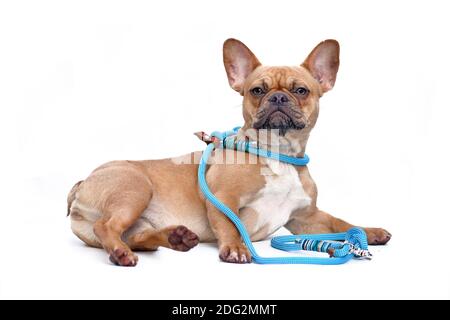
(281, 119)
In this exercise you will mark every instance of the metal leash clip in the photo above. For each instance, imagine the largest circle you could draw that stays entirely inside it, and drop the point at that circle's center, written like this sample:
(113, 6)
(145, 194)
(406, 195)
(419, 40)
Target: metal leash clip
(358, 252)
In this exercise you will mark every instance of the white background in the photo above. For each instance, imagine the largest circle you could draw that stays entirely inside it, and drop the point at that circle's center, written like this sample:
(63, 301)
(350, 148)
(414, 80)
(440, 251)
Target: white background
(85, 82)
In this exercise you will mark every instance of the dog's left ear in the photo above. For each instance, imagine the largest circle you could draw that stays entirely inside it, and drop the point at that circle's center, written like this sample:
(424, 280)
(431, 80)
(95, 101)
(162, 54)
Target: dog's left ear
(239, 62)
(323, 63)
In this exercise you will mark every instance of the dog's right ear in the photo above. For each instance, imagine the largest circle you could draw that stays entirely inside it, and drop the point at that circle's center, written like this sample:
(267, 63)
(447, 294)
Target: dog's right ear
(239, 62)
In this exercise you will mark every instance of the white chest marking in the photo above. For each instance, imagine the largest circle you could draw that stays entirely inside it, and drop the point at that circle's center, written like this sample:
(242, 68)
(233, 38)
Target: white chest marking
(282, 194)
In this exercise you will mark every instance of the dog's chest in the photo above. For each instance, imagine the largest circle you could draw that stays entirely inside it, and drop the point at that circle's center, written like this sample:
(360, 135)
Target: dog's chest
(282, 194)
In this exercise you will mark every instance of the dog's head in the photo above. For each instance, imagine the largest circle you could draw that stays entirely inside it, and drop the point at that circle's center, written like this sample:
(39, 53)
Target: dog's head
(282, 98)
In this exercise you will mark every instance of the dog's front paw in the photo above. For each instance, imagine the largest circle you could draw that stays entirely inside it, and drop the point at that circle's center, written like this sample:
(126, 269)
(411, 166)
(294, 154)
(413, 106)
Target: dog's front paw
(235, 253)
(377, 236)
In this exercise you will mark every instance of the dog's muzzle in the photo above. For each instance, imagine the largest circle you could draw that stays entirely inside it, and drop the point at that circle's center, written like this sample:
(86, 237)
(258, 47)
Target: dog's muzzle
(279, 117)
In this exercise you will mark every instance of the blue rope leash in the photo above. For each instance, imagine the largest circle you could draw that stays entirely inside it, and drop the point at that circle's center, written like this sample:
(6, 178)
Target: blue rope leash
(355, 240)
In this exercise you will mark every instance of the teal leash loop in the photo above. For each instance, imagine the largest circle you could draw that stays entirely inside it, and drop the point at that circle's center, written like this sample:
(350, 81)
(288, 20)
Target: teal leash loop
(354, 243)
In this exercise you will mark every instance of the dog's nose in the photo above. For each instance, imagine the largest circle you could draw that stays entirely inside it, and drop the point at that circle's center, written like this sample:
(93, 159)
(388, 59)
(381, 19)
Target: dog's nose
(279, 98)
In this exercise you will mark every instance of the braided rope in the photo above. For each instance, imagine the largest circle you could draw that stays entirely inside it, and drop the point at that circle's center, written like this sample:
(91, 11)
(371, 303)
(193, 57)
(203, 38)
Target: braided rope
(355, 240)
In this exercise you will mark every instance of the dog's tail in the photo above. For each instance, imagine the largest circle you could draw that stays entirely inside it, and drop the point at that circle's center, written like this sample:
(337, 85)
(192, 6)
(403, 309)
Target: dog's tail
(72, 194)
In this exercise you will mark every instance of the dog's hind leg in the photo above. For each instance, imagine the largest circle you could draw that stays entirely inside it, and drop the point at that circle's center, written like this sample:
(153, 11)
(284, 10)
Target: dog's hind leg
(108, 203)
(117, 218)
(121, 210)
(177, 238)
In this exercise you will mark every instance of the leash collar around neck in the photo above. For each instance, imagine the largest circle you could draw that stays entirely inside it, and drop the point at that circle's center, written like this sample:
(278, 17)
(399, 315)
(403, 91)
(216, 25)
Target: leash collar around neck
(354, 243)
(228, 140)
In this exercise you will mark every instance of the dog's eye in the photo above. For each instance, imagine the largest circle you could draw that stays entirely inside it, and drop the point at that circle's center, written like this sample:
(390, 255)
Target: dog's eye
(257, 91)
(301, 91)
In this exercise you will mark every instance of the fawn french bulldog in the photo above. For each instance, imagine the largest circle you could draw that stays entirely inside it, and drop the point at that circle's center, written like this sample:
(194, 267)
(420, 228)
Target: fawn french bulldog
(142, 205)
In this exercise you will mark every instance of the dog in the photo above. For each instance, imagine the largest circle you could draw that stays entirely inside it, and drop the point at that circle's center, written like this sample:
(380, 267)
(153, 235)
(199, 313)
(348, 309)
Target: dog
(126, 206)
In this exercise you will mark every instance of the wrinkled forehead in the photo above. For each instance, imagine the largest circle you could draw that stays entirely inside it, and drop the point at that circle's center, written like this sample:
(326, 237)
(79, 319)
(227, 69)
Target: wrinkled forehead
(281, 78)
